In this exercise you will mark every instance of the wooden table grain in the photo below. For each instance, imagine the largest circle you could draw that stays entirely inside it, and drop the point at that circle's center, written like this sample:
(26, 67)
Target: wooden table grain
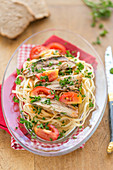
(75, 16)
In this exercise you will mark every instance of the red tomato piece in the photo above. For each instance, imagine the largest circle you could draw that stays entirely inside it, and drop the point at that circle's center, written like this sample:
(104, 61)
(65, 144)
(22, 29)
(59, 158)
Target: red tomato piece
(57, 46)
(42, 90)
(50, 75)
(35, 51)
(71, 98)
(49, 135)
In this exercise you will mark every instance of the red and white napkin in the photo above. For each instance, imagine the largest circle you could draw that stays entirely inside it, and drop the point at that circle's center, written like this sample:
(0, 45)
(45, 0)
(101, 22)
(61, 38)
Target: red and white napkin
(23, 54)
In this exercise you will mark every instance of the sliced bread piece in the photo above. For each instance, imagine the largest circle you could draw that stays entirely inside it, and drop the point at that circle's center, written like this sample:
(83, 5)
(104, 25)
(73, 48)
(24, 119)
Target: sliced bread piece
(37, 8)
(14, 18)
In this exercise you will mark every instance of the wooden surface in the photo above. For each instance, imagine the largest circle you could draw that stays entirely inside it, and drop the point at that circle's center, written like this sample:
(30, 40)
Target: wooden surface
(73, 15)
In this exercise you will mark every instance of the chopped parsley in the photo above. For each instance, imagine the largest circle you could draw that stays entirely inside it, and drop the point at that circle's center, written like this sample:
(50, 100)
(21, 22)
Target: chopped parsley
(34, 99)
(39, 70)
(91, 104)
(50, 64)
(61, 73)
(28, 59)
(74, 105)
(77, 71)
(83, 95)
(18, 71)
(15, 100)
(28, 124)
(18, 81)
(68, 54)
(46, 84)
(80, 66)
(111, 70)
(89, 73)
(64, 113)
(39, 84)
(51, 139)
(34, 64)
(74, 137)
(44, 78)
(40, 126)
(56, 52)
(61, 134)
(65, 82)
(39, 110)
(56, 97)
(59, 63)
(32, 68)
(52, 92)
(87, 76)
(58, 118)
(47, 101)
(69, 71)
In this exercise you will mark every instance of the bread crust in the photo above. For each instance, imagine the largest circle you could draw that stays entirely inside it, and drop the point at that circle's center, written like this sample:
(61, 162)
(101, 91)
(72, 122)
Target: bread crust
(15, 16)
(37, 8)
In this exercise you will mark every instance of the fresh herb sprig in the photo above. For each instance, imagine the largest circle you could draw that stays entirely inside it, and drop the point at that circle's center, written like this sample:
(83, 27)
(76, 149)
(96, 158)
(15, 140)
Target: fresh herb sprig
(100, 10)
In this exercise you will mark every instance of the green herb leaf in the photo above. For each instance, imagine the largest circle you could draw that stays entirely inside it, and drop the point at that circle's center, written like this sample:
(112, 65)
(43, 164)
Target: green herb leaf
(97, 41)
(47, 101)
(34, 99)
(16, 100)
(111, 70)
(18, 81)
(59, 63)
(80, 66)
(63, 113)
(18, 71)
(44, 78)
(51, 139)
(103, 33)
(91, 104)
(101, 26)
(28, 59)
(56, 97)
(40, 126)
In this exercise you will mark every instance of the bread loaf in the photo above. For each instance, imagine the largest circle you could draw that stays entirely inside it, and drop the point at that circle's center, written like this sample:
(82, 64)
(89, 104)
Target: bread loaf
(15, 16)
(37, 8)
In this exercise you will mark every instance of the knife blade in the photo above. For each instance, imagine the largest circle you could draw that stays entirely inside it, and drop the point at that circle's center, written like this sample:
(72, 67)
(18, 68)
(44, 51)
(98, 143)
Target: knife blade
(109, 76)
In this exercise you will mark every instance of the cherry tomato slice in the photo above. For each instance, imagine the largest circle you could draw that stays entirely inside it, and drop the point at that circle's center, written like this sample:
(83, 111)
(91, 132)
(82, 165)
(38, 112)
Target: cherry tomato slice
(42, 90)
(71, 98)
(57, 46)
(50, 75)
(49, 135)
(35, 51)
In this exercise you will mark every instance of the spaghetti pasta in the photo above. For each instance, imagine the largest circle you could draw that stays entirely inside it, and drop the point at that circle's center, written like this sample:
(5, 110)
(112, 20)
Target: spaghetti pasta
(39, 115)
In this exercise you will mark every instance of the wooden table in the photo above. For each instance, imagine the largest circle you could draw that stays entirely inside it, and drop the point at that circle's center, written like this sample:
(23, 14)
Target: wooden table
(73, 15)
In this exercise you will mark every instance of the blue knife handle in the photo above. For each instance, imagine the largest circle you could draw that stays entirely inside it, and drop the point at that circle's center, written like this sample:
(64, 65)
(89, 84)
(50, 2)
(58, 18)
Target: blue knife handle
(111, 119)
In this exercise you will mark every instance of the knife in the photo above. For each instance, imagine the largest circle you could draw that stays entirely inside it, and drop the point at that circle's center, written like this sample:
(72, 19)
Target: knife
(108, 66)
